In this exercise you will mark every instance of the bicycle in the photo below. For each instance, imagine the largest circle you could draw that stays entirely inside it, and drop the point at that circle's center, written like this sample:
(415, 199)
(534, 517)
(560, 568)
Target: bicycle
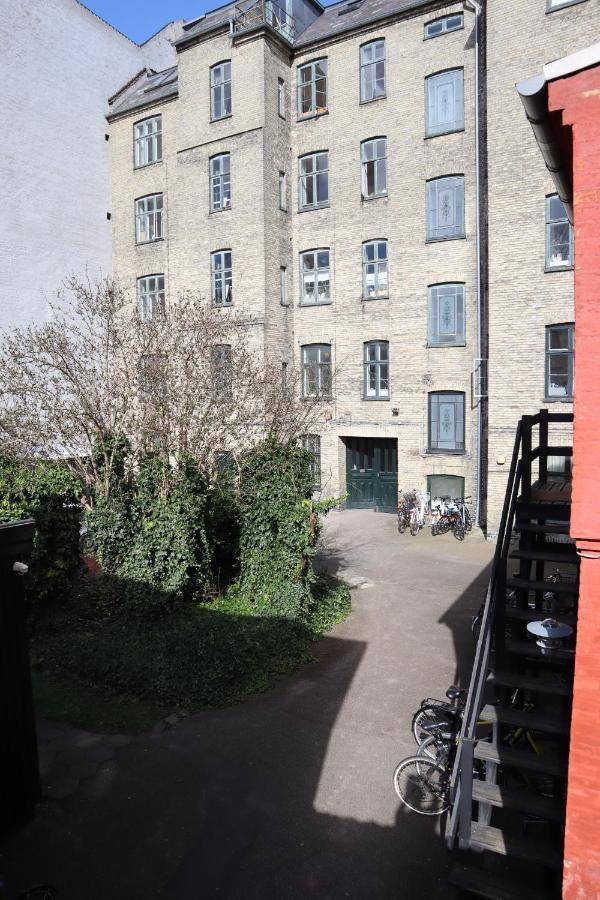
(404, 509)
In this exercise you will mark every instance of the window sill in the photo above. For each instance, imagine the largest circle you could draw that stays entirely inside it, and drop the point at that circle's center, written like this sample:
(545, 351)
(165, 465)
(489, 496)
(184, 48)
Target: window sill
(558, 399)
(374, 197)
(430, 452)
(311, 305)
(310, 116)
(372, 100)
(552, 9)
(157, 162)
(306, 209)
(145, 243)
(429, 346)
(213, 212)
(221, 118)
(375, 399)
(548, 270)
(281, 209)
(221, 305)
(453, 237)
(321, 399)
(430, 137)
(374, 299)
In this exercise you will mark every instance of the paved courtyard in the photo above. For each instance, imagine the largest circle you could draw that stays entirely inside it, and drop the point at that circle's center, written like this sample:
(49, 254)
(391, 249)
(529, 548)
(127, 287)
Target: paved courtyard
(288, 795)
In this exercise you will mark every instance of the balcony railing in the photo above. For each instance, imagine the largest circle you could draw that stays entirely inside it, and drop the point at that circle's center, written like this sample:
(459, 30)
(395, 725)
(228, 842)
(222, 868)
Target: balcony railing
(265, 12)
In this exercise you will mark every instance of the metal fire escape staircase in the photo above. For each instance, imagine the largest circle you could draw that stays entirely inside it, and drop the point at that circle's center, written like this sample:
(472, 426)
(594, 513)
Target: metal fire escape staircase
(508, 786)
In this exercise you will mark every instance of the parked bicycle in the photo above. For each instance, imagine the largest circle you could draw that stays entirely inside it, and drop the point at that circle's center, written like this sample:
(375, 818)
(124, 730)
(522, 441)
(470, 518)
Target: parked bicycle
(405, 506)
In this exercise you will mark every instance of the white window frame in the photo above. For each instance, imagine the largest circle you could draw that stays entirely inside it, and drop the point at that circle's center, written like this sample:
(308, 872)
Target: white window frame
(552, 5)
(445, 24)
(220, 90)
(149, 219)
(318, 273)
(151, 296)
(281, 97)
(308, 181)
(378, 267)
(312, 443)
(147, 142)
(451, 82)
(568, 352)
(220, 182)
(369, 69)
(551, 225)
(316, 372)
(373, 158)
(283, 298)
(310, 88)
(453, 185)
(221, 277)
(434, 401)
(282, 191)
(437, 296)
(376, 370)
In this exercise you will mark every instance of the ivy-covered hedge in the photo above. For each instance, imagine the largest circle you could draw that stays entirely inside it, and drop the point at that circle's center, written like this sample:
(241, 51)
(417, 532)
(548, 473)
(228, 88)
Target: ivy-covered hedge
(50, 494)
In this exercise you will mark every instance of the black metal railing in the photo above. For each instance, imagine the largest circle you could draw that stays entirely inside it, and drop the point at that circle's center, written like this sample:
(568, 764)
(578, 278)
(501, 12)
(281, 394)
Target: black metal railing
(519, 486)
(265, 12)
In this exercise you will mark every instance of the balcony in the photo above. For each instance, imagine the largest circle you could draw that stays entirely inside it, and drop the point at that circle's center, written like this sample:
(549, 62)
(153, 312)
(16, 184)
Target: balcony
(265, 12)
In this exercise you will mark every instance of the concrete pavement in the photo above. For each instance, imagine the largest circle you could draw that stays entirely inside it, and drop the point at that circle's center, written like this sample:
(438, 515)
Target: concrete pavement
(288, 795)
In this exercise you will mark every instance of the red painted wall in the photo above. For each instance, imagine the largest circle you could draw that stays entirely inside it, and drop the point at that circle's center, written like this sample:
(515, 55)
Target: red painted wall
(578, 97)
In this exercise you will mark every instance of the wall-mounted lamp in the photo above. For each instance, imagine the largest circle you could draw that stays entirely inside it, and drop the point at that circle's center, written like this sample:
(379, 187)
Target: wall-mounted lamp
(550, 635)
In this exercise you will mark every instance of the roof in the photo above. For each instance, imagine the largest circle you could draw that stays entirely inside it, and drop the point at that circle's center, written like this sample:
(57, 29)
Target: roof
(213, 19)
(350, 14)
(148, 88)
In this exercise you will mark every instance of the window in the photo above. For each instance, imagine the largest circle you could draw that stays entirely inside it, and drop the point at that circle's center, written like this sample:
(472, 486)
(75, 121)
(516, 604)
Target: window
(312, 443)
(221, 272)
(558, 4)
(151, 296)
(149, 220)
(559, 235)
(312, 88)
(220, 91)
(314, 277)
(283, 286)
(313, 187)
(281, 97)
(152, 373)
(446, 486)
(222, 369)
(220, 182)
(559, 362)
(447, 422)
(445, 105)
(316, 370)
(147, 142)
(446, 315)
(375, 270)
(446, 208)
(377, 370)
(372, 71)
(373, 156)
(441, 26)
(282, 191)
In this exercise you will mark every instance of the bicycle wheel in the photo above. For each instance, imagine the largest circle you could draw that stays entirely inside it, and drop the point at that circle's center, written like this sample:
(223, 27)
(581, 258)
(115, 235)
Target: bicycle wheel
(414, 527)
(459, 530)
(429, 747)
(427, 715)
(444, 524)
(468, 520)
(401, 524)
(422, 785)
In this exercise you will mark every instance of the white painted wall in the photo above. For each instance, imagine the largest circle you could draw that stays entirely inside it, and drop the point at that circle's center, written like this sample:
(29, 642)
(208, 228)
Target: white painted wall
(58, 65)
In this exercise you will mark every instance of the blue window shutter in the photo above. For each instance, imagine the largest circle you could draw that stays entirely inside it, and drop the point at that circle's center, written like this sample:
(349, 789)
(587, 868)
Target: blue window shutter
(431, 209)
(433, 315)
(459, 204)
(460, 312)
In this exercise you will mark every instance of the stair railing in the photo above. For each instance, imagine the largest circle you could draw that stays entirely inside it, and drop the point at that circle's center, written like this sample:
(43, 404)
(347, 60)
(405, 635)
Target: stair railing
(519, 485)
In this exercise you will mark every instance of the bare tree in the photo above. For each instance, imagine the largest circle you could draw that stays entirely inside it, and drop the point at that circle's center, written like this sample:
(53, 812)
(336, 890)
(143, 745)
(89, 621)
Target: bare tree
(192, 380)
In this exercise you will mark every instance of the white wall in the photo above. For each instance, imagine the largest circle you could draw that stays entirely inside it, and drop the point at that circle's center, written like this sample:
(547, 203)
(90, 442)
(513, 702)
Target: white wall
(58, 65)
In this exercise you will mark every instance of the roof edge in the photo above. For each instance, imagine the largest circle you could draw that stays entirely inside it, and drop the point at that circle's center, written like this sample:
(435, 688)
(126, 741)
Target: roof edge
(575, 62)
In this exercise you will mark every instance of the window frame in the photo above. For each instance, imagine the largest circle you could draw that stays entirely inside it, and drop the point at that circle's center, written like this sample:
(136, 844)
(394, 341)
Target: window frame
(312, 444)
(362, 66)
(283, 205)
(563, 5)
(458, 124)
(221, 176)
(223, 277)
(563, 266)
(157, 297)
(314, 109)
(569, 352)
(221, 85)
(445, 30)
(153, 137)
(323, 372)
(316, 269)
(458, 235)
(377, 263)
(155, 215)
(459, 339)
(377, 364)
(222, 370)
(303, 179)
(456, 451)
(281, 104)
(376, 162)
(283, 289)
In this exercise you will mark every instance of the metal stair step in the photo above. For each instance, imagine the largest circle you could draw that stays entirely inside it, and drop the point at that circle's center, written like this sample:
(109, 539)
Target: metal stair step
(544, 509)
(550, 553)
(532, 615)
(521, 800)
(531, 719)
(554, 528)
(548, 762)
(486, 837)
(492, 885)
(561, 587)
(530, 650)
(543, 682)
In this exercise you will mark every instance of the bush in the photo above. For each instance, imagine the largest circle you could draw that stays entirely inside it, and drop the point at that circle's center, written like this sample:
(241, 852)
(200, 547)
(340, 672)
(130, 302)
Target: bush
(49, 493)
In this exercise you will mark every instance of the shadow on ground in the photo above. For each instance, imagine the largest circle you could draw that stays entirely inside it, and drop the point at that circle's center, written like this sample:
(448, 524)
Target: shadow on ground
(288, 795)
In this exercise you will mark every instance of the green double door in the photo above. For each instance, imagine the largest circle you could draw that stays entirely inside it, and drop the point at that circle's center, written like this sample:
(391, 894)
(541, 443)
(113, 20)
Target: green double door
(372, 473)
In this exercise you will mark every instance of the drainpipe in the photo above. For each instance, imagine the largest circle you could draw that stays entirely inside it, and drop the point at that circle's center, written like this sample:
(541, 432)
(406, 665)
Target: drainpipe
(477, 9)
